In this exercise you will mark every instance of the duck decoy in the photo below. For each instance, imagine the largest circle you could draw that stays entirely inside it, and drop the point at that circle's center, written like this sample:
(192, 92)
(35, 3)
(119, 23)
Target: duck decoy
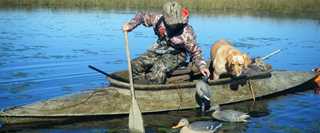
(203, 94)
(229, 115)
(316, 81)
(198, 126)
(316, 70)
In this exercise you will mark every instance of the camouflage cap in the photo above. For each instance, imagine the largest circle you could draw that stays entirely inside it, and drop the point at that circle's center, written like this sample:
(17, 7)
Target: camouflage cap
(172, 13)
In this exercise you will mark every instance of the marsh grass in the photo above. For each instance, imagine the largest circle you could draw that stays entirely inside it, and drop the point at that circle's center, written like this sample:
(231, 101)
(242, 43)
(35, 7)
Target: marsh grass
(268, 6)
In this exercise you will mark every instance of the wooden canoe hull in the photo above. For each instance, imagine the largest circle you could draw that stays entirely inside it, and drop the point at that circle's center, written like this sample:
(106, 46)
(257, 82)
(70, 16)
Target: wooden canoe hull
(116, 100)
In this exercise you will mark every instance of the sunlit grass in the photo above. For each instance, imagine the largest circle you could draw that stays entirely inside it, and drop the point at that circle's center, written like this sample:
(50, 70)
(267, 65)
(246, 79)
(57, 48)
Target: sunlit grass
(272, 6)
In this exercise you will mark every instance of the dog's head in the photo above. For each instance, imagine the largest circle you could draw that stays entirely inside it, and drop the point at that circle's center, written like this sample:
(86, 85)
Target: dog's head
(236, 64)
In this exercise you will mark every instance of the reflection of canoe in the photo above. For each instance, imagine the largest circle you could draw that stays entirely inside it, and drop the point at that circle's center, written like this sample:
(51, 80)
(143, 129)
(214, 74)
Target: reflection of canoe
(115, 100)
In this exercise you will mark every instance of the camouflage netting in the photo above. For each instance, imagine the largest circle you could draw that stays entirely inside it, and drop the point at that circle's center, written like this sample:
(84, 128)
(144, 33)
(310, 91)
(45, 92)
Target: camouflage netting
(257, 66)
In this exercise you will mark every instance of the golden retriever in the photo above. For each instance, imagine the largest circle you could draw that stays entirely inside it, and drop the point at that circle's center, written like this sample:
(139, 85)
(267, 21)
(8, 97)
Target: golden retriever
(227, 59)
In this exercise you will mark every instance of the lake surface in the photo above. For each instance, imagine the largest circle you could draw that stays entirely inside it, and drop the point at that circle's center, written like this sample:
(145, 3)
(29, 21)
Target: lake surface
(45, 54)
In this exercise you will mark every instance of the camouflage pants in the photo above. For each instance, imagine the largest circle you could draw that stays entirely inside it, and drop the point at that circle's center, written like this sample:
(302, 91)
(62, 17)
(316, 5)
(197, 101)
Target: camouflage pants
(154, 67)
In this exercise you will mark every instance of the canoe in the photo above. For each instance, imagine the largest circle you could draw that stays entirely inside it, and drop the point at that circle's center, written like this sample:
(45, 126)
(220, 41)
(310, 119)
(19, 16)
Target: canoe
(115, 99)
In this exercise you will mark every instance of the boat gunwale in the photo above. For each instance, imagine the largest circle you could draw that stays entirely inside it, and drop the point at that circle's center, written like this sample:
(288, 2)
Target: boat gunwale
(117, 83)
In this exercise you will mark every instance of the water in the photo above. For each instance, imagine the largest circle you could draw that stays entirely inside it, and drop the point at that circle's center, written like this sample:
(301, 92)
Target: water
(45, 53)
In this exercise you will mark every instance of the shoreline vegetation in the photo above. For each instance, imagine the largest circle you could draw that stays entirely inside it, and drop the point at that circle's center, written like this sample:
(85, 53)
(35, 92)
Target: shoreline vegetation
(280, 7)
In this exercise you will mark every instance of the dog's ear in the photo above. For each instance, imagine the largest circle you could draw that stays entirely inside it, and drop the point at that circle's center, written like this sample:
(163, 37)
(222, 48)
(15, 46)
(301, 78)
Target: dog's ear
(247, 60)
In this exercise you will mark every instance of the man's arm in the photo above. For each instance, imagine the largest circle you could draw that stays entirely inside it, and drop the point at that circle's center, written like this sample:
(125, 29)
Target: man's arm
(191, 45)
(145, 18)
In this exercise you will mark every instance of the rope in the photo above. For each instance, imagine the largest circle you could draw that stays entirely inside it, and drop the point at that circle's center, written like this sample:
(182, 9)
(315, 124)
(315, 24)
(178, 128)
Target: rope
(252, 91)
(179, 92)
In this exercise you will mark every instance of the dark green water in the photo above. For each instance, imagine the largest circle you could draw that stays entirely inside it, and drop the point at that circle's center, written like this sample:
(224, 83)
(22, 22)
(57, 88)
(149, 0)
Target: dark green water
(45, 53)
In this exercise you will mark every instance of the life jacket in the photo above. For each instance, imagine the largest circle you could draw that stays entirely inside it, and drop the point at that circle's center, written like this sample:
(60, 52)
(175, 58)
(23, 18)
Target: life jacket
(160, 30)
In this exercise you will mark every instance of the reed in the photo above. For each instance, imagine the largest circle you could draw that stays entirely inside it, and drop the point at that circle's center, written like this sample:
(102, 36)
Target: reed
(271, 6)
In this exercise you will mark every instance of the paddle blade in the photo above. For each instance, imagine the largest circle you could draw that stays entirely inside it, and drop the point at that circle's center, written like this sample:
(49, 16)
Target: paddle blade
(135, 118)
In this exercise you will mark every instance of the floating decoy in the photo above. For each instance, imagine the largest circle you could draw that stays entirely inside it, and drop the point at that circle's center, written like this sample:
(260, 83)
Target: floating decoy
(198, 126)
(317, 70)
(229, 115)
(317, 81)
(204, 94)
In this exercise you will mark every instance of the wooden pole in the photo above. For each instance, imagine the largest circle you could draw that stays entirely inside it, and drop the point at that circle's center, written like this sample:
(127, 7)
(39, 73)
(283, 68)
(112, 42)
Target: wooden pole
(135, 116)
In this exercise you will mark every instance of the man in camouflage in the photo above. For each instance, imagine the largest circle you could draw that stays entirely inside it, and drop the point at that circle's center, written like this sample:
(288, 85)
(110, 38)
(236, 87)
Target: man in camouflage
(176, 40)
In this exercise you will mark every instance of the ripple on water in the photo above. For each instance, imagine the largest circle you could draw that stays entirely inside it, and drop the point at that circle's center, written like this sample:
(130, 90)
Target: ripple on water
(314, 127)
(20, 74)
(245, 45)
(15, 88)
(85, 52)
(118, 61)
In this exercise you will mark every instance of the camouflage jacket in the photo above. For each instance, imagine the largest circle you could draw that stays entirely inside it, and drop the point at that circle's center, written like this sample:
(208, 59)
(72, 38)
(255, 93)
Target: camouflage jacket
(186, 40)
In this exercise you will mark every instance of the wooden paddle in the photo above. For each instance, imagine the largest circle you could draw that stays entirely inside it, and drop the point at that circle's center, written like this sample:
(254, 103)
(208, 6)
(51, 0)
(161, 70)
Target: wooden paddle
(135, 116)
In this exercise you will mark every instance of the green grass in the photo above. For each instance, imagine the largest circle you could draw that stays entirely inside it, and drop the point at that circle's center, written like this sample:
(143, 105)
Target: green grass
(267, 6)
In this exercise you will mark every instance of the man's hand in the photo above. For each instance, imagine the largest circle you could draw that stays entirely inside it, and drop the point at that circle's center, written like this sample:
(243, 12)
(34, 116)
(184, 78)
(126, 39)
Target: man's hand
(205, 72)
(126, 27)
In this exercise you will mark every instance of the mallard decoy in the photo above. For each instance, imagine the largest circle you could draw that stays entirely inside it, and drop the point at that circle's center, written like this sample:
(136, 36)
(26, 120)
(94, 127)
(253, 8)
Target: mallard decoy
(317, 81)
(317, 70)
(198, 126)
(229, 115)
(204, 94)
